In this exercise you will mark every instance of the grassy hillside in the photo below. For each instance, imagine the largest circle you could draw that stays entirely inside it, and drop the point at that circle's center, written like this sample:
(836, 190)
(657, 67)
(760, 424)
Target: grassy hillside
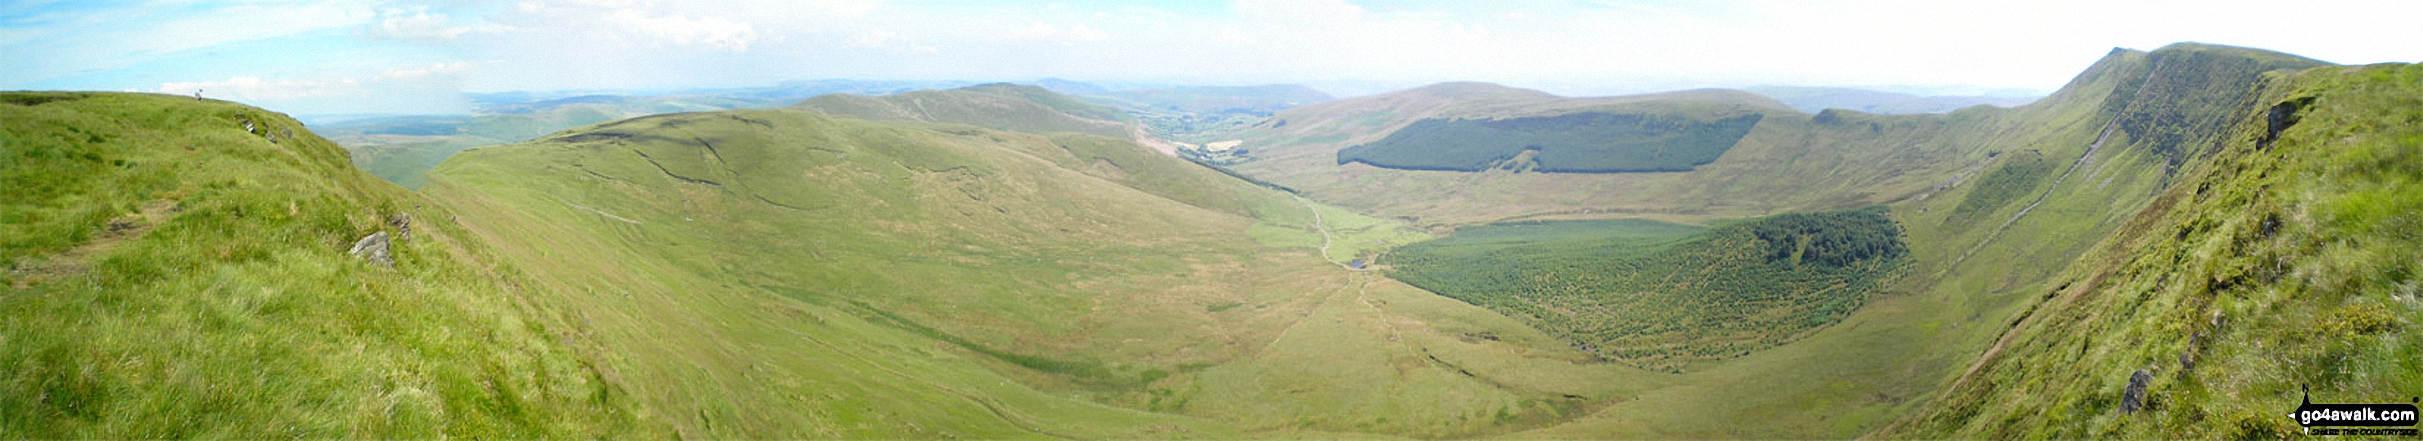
(2285, 263)
(1205, 114)
(792, 274)
(1660, 295)
(177, 268)
(1586, 142)
(1966, 280)
(1787, 161)
(402, 149)
(1212, 100)
(996, 106)
(781, 273)
(1790, 161)
(1818, 99)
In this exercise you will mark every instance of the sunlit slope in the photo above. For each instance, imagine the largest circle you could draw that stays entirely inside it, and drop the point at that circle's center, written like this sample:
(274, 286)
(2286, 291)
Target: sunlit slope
(1790, 161)
(789, 274)
(1787, 161)
(2287, 262)
(1010, 107)
(177, 268)
(1968, 278)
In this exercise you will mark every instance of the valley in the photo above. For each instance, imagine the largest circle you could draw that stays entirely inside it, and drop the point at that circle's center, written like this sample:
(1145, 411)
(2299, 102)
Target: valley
(999, 260)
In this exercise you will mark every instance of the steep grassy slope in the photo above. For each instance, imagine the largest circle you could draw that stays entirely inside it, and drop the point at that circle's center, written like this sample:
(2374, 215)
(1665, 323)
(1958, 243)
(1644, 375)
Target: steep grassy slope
(996, 106)
(1966, 281)
(2286, 263)
(782, 273)
(1790, 162)
(177, 268)
(788, 274)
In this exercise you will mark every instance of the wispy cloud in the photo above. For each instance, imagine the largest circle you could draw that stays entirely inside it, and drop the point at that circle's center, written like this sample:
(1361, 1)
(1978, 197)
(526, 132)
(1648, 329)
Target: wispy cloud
(418, 24)
(711, 32)
(305, 50)
(1045, 32)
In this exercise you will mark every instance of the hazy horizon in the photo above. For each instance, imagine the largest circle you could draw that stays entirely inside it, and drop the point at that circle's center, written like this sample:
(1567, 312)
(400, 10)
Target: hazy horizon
(316, 57)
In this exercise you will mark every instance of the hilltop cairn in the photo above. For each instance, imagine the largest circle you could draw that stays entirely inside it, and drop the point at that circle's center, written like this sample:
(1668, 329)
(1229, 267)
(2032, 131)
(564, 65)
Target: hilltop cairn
(373, 248)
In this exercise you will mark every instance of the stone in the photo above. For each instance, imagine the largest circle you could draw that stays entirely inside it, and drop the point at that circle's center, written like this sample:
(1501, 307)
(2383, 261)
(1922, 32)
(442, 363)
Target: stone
(403, 226)
(374, 249)
(2134, 398)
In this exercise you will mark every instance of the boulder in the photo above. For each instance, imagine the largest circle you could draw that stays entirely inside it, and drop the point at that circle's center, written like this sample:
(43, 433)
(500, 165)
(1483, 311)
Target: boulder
(2134, 398)
(374, 249)
(403, 226)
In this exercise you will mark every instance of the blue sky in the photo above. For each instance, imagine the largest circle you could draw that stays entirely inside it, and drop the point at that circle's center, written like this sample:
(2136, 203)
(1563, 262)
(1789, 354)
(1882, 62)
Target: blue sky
(318, 57)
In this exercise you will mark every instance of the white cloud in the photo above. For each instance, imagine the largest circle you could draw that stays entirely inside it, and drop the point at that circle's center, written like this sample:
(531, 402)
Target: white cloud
(255, 88)
(1045, 32)
(245, 23)
(874, 39)
(420, 25)
(1572, 47)
(434, 76)
(711, 32)
(437, 69)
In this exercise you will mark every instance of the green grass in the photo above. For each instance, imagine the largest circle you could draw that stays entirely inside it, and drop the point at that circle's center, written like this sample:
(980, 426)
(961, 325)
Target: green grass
(765, 274)
(172, 275)
(1965, 283)
(2014, 179)
(406, 160)
(1587, 142)
(995, 106)
(1659, 295)
(2271, 270)
(981, 283)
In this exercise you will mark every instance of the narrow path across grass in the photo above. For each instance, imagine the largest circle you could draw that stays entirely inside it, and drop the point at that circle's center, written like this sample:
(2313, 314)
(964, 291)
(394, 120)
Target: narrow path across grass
(1318, 224)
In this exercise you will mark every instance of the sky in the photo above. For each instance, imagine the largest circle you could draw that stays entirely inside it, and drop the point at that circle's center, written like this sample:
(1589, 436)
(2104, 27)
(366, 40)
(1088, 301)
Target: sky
(330, 57)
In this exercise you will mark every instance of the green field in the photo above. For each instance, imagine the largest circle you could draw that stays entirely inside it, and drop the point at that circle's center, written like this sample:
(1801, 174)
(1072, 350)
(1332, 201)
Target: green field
(2285, 264)
(994, 106)
(172, 274)
(2237, 223)
(1660, 295)
(1586, 142)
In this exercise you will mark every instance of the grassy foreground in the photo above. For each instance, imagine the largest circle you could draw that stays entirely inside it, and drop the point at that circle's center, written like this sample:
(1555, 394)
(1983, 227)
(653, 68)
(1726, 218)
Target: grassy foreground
(174, 274)
(2287, 263)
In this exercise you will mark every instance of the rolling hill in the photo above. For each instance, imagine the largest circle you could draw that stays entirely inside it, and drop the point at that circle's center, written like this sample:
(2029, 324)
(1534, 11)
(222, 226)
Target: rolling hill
(2275, 273)
(1006, 262)
(178, 268)
(1818, 99)
(1580, 142)
(996, 106)
(403, 148)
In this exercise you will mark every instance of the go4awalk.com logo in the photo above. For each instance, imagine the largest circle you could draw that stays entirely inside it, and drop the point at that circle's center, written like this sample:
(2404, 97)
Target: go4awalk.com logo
(2355, 419)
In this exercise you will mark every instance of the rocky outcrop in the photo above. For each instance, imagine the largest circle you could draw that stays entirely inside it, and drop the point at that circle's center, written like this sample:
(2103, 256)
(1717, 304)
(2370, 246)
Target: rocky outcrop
(2134, 398)
(403, 226)
(374, 249)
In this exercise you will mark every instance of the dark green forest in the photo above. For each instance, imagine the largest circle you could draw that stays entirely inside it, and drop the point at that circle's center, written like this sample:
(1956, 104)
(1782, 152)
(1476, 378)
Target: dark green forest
(1660, 295)
(1586, 142)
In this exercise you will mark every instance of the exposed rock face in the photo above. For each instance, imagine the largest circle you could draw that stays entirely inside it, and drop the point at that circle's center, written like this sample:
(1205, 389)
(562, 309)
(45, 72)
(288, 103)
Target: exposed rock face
(373, 248)
(2134, 398)
(403, 226)
(2280, 118)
